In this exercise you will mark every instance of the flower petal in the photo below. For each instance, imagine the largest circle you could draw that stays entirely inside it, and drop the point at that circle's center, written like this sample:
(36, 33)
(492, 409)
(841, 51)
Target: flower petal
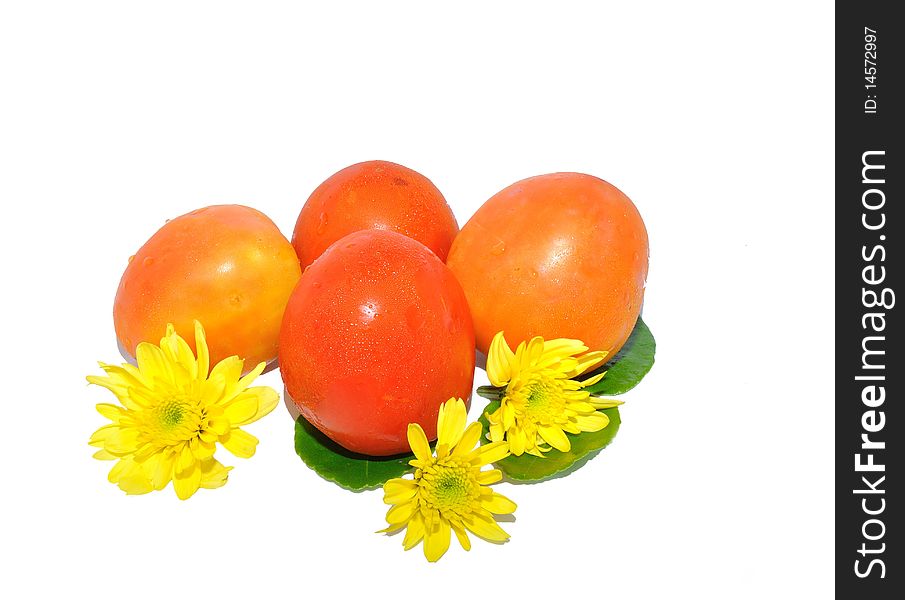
(121, 440)
(202, 450)
(499, 361)
(240, 409)
(153, 363)
(600, 403)
(469, 440)
(119, 390)
(392, 528)
(570, 427)
(461, 536)
(559, 349)
(110, 411)
(268, 398)
(185, 459)
(554, 436)
(204, 357)
(187, 482)
(401, 513)
(496, 433)
(517, 441)
(178, 352)
(592, 380)
(593, 422)
(533, 351)
(585, 362)
(508, 413)
(230, 369)
(581, 407)
(98, 438)
(493, 452)
(118, 469)
(414, 532)
(162, 472)
(142, 398)
(436, 541)
(145, 451)
(125, 374)
(498, 504)
(397, 491)
(213, 474)
(218, 425)
(129, 477)
(485, 527)
(251, 376)
(536, 451)
(135, 483)
(418, 442)
(451, 422)
(213, 390)
(240, 443)
(489, 477)
(119, 381)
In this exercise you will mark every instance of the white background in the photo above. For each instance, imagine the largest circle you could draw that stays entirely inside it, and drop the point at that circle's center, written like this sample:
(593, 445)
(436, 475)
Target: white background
(716, 119)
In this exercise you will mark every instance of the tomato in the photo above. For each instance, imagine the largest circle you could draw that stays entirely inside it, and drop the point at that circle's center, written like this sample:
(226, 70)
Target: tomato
(376, 335)
(559, 255)
(374, 195)
(227, 266)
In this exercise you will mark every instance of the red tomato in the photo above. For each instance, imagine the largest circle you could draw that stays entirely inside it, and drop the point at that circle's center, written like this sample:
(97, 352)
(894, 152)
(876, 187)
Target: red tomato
(374, 195)
(227, 266)
(376, 335)
(560, 255)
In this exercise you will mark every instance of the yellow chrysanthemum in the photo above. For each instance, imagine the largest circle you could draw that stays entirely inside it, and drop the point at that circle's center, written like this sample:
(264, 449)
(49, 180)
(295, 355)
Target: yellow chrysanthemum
(173, 413)
(542, 400)
(449, 490)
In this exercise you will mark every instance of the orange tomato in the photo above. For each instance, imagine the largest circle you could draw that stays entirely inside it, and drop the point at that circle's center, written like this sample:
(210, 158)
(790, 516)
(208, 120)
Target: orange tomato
(559, 255)
(376, 335)
(227, 266)
(374, 195)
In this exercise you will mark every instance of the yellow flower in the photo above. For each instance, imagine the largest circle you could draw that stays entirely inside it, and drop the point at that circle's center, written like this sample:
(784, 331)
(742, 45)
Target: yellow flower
(542, 401)
(449, 490)
(173, 413)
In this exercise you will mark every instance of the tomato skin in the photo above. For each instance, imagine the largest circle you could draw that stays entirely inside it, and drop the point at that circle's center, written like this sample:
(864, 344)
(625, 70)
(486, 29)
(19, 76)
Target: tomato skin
(227, 266)
(374, 195)
(376, 335)
(558, 255)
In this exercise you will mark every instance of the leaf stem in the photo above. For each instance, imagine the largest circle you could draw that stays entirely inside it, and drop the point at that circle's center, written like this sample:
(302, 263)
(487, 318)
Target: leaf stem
(490, 392)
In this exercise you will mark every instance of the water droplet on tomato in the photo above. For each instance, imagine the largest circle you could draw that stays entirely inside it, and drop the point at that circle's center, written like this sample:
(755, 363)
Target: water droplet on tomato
(148, 261)
(498, 248)
(321, 223)
(368, 312)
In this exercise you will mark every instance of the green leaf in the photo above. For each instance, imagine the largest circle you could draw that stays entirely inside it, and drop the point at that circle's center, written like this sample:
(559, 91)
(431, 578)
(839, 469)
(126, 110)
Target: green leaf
(334, 463)
(530, 469)
(629, 366)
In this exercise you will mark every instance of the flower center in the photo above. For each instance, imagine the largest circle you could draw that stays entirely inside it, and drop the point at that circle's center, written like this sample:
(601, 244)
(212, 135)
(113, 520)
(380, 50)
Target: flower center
(449, 487)
(177, 420)
(171, 414)
(543, 400)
